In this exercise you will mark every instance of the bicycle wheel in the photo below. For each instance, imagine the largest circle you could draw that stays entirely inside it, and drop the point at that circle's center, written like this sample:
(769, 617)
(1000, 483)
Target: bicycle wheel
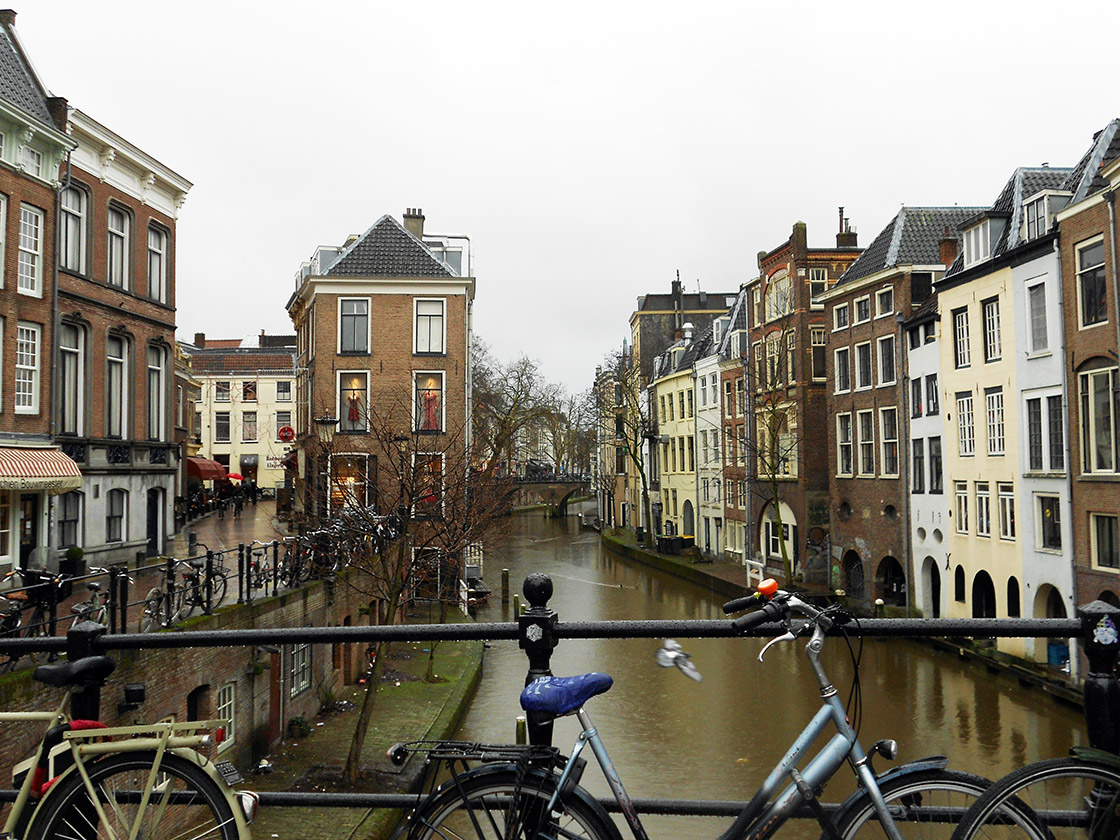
(926, 805)
(184, 802)
(154, 614)
(188, 598)
(38, 628)
(1056, 799)
(491, 804)
(218, 586)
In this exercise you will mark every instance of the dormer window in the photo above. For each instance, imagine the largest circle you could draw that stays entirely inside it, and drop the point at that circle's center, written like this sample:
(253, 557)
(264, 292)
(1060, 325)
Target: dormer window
(977, 243)
(1034, 218)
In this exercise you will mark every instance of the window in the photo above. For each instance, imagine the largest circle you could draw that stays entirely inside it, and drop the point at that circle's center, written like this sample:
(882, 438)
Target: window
(1034, 217)
(935, 477)
(671, 461)
(283, 418)
(818, 285)
(961, 489)
(983, 509)
(69, 508)
(157, 264)
(352, 400)
(715, 388)
(114, 515)
(976, 243)
(661, 401)
(691, 455)
(156, 398)
(30, 270)
(429, 402)
(283, 390)
(1049, 523)
(72, 230)
(863, 365)
(888, 430)
(221, 427)
(779, 298)
(932, 403)
(31, 161)
(816, 340)
(791, 358)
(353, 327)
(429, 326)
(1036, 303)
(965, 433)
(221, 391)
(299, 671)
(756, 304)
(1098, 416)
(866, 426)
(961, 352)
(1034, 434)
(1045, 434)
(916, 397)
(1057, 432)
(249, 391)
(116, 385)
(843, 371)
(27, 367)
(884, 302)
(249, 426)
(1090, 283)
(703, 389)
(71, 394)
(429, 484)
(703, 446)
(226, 709)
(1105, 547)
(840, 316)
(886, 360)
(993, 399)
(118, 250)
(1006, 493)
(759, 365)
(993, 346)
(863, 310)
(351, 480)
(918, 447)
(680, 401)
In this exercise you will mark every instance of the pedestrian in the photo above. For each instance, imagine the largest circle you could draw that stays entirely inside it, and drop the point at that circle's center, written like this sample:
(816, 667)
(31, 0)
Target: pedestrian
(237, 503)
(253, 492)
(221, 507)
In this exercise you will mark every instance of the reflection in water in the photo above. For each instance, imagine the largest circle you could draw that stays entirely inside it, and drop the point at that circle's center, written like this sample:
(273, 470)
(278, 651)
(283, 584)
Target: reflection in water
(672, 737)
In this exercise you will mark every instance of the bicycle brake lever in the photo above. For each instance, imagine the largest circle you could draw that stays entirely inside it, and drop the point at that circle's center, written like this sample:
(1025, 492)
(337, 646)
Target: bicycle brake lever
(787, 636)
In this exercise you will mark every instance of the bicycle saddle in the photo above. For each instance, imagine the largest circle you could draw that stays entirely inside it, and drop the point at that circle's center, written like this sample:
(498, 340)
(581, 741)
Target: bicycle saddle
(90, 670)
(561, 695)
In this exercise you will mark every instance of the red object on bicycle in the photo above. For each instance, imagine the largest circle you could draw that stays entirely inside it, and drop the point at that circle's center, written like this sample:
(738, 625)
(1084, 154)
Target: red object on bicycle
(768, 587)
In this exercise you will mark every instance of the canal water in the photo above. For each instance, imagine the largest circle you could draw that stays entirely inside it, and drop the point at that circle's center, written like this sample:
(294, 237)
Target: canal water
(717, 739)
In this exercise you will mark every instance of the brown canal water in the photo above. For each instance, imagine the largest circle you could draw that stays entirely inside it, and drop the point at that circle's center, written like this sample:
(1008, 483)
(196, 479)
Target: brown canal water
(717, 739)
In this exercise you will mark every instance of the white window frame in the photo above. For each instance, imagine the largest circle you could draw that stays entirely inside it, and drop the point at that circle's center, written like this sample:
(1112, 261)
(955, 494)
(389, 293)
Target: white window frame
(960, 489)
(865, 444)
(118, 247)
(342, 301)
(888, 443)
(1006, 493)
(299, 668)
(363, 410)
(116, 394)
(1095, 549)
(1038, 328)
(993, 410)
(886, 351)
(3, 236)
(225, 708)
(845, 366)
(884, 302)
(417, 332)
(966, 427)
(1082, 271)
(864, 347)
(119, 518)
(977, 243)
(993, 341)
(1091, 448)
(1035, 218)
(71, 394)
(817, 339)
(158, 253)
(818, 277)
(73, 230)
(32, 233)
(442, 376)
(28, 361)
(857, 305)
(841, 317)
(983, 509)
(31, 161)
(962, 351)
(286, 395)
(280, 419)
(1040, 518)
(245, 415)
(156, 382)
(218, 415)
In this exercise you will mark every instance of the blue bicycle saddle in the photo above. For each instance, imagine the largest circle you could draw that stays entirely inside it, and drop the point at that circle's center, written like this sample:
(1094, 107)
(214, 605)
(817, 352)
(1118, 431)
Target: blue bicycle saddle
(561, 695)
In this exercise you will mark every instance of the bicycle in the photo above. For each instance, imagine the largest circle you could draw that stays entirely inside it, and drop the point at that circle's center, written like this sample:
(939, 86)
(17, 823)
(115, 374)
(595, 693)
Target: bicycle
(35, 597)
(259, 573)
(534, 791)
(86, 780)
(191, 594)
(1075, 798)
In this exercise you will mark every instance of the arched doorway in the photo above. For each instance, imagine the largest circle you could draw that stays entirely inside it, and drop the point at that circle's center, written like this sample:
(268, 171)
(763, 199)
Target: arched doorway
(1109, 597)
(890, 582)
(931, 576)
(155, 522)
(983, 596)
(689, 518)
(1049, 603)
(771, 536)
(851, 570)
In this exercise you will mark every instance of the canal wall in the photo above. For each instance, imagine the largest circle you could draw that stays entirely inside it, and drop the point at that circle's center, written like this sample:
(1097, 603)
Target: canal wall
(727, 579)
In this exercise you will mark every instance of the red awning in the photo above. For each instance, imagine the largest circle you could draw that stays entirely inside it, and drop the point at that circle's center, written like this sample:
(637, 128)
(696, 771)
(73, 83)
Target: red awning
(38, 469)
(205, 469)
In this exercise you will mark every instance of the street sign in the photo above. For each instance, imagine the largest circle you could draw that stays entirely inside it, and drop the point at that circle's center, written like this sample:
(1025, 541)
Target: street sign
(286, 434)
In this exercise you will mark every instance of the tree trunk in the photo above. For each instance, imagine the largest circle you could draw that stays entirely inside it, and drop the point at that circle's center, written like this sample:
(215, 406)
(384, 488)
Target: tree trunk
(365, 715)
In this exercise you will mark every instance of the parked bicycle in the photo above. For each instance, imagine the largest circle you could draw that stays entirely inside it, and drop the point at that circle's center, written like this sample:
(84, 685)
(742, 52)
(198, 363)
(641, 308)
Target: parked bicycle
(534, 791)
(259, 572)
(1075, 798)
(190, 594)
(27, 611)
(88, 781)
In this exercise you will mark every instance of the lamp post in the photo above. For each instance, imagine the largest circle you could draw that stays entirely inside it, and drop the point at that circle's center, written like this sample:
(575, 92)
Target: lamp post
(325, 427)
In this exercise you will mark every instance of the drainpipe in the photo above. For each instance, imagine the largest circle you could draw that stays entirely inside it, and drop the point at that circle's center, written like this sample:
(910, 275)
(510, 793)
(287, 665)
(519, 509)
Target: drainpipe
(56, 381)
(696, 460)
(903, 379)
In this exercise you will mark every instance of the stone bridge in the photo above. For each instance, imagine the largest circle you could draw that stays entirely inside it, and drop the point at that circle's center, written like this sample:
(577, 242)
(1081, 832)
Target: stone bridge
(553, 491)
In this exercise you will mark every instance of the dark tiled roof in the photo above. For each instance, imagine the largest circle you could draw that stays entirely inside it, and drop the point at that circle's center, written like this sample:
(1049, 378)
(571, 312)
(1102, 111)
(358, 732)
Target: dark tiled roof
(925, 312)
(913, 237)
(1085, 178)
(1019, 187)
(388, 250)
(242, 359)
(18, 84)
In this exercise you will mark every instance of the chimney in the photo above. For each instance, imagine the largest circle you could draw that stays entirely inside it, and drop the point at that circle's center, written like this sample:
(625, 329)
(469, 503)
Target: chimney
(845, 237)
(687, 332)
(947, 248)
(7, 17)
(200, 339)
(59, 111)
(414, 222)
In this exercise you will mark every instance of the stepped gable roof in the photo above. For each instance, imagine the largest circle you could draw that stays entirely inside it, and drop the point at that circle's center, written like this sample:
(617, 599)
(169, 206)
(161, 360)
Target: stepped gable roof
(913, 237)
(387, 249)
(1085, 178)
(18, 83)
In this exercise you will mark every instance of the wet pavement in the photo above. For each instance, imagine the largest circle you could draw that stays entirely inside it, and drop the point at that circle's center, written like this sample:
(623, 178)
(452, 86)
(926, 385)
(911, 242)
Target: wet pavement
(221, 533)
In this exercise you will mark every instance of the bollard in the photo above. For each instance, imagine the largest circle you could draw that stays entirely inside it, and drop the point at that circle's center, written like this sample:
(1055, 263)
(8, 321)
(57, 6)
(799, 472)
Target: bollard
(537, 637)
(505, 586)
(521, 732)
(209, 582)
(80, 640)
(243, 595)
(169, 590)
(516, 606)
(1101, 638)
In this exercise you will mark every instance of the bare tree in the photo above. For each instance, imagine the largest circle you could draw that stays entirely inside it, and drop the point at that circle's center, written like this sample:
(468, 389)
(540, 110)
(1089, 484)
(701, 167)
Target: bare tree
(567, 421)
(628, 410)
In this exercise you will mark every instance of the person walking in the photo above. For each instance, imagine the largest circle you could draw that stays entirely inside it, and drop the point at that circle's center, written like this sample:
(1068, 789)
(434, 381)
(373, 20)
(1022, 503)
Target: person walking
(238, 501)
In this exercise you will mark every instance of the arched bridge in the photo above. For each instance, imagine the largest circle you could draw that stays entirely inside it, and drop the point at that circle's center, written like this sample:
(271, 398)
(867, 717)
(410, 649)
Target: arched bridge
(551, 490)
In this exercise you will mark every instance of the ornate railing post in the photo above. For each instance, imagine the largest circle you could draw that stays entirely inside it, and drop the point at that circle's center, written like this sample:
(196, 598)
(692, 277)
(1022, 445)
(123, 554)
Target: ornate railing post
(80, 639)
(1100, 633)
(537, 637)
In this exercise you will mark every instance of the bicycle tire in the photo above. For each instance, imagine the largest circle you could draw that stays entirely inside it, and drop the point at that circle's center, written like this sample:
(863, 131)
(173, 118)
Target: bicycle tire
(926, 805)
(1055, 799)
(195, 806)
(38, 628)
(218, 586)
(154, 613)
(188, 598)
(500, 803)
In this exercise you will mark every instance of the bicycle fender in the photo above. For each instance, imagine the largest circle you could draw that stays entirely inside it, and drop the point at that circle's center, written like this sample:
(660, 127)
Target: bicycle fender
(933, 762)
(1096, 755)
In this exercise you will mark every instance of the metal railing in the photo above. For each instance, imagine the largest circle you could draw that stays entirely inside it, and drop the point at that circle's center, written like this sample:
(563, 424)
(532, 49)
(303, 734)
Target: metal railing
(538, 631)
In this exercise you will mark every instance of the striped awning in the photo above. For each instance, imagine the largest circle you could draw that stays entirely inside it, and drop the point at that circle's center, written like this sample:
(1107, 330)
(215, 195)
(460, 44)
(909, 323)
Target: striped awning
(38, 469)
(204, 468)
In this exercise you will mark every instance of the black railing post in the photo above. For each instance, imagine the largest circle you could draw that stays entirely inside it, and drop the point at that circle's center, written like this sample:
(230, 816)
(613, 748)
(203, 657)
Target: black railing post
(111, 600)
(169, 588)
(86, 704)
(1100, 623)
(537, 637)
(243, 595)
(122, 597)
(275, 566)
(209, 582)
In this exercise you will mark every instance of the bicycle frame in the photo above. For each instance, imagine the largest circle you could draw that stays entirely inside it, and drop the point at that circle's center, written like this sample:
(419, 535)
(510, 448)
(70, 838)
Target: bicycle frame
(761, 818)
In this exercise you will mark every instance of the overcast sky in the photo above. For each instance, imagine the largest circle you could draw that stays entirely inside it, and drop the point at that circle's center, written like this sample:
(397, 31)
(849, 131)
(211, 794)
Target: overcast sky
(589, 150)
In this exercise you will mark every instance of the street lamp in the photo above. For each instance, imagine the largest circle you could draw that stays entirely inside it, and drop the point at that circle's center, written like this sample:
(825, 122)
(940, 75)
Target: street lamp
(326, 429)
